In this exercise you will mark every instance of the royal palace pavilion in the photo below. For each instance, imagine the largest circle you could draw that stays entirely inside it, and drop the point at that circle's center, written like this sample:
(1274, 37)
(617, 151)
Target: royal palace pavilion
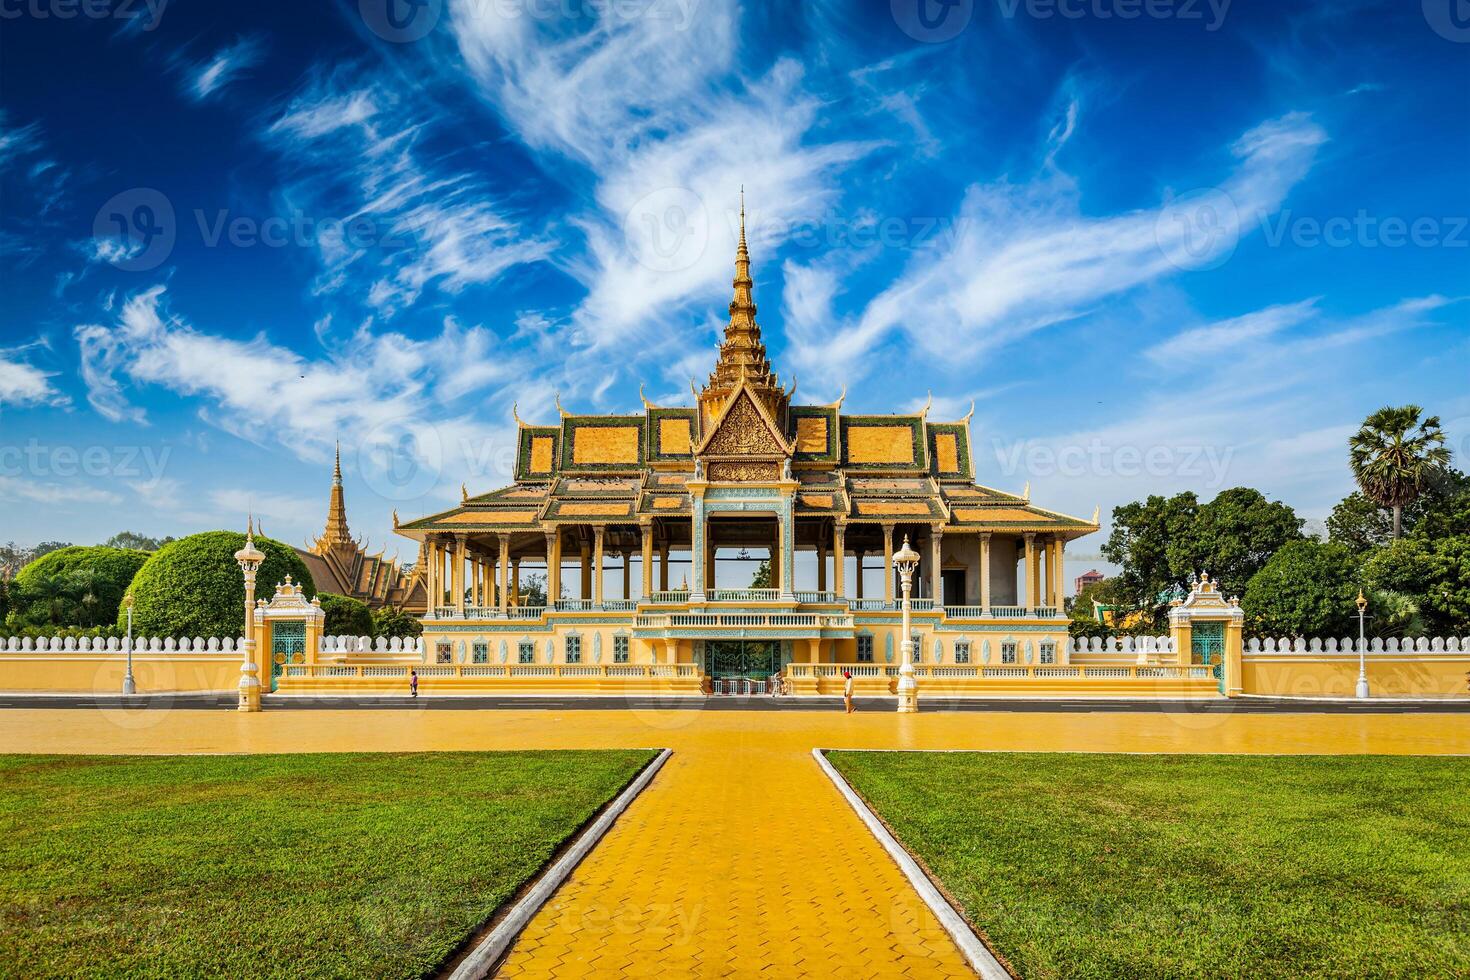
(675, 491)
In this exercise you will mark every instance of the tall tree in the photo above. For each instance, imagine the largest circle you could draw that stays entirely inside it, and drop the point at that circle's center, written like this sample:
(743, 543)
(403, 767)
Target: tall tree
(1362, 525)
(1394, 456)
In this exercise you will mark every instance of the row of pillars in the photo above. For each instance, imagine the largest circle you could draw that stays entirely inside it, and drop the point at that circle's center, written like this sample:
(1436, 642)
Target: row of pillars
(495, 580)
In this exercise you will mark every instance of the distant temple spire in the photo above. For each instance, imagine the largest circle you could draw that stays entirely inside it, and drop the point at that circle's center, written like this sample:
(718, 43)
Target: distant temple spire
(336, 532)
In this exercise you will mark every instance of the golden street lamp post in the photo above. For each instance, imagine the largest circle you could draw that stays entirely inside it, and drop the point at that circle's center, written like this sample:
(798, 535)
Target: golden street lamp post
(249, 559)
(129, 687)
(1362, 647)
(906, 560)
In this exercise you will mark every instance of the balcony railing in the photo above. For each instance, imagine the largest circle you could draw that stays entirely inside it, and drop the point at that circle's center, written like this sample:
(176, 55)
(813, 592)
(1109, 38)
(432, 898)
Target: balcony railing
(871, 605)
(743, 620)
(815, 598)
(1197, 672)
(746, 595)
(1000, 612)
(669, 597)
(370, 671)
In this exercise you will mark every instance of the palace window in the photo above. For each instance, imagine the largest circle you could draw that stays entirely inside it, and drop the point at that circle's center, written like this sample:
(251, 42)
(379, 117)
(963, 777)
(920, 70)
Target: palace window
(526, 653)
(918, 644)
(443, 652)
(865, 649)
(1008, 652)
(574, 649)
(1048, 652)
(480, 652)
(620, 649)
(961, 652)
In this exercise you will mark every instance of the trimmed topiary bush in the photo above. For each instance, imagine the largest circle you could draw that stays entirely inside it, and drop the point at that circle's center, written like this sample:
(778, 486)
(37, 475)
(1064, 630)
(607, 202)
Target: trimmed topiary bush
(192, 587)
(74, 586)
(346, 616)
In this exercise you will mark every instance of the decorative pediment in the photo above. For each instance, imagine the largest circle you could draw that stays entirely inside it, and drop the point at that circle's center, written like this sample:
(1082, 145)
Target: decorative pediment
(744, 428)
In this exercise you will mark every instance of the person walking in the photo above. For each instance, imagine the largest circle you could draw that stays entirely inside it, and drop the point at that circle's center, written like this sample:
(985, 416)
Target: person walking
(847, 690)
(413, 682)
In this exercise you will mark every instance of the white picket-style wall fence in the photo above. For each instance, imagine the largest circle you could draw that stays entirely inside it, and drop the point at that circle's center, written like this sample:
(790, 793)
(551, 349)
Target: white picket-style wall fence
(1123, 644)
(114, 644)
(366, 644)
(1377, 644)
(198, 644)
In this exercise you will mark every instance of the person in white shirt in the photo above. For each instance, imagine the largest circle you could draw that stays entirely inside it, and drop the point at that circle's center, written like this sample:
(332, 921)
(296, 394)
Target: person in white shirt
(847, 690)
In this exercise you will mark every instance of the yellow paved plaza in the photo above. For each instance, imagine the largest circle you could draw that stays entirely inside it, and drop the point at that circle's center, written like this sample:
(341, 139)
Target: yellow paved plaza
(740, 858)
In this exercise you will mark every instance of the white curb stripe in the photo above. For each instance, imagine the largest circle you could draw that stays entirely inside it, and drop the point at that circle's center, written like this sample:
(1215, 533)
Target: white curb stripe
(482, 960)
(976, 952)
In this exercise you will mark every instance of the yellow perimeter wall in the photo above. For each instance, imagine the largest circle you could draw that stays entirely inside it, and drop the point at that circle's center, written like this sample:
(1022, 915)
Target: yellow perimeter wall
(1336, 675)
(103, 673)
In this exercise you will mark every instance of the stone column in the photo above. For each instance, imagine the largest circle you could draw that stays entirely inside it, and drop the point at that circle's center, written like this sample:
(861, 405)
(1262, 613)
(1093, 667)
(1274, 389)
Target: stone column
(599, 533)
(503, 581)
(696, 554)
(1028, 565)
(586, 582)
(458, 576)
(645, 539)
(936, 579)
(430, 554)
(985, 573)
(1059, 580)
(839, 559)
(786, 534)
(553, 567)
(888, 563)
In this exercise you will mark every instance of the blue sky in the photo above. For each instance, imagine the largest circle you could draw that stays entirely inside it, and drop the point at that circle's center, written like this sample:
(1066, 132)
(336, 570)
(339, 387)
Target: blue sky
(1163, 246)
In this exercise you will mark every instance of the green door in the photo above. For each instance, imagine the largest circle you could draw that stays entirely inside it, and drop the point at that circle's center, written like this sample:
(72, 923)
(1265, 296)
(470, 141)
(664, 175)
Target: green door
(1207, 646)
(740, 666)
(288, 646)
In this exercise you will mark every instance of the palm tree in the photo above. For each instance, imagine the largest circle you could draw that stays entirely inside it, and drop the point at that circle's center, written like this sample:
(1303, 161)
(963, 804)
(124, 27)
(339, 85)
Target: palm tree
(1394, 455)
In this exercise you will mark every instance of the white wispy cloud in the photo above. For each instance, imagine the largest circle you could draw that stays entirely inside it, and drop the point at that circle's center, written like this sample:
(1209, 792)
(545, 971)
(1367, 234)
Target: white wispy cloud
(1024, 257)
(21, 489)
(22, 384)
(206, 78)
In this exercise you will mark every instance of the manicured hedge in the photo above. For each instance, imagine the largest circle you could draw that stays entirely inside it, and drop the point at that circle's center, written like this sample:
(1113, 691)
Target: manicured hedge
(90, 582)
(193, 587)
(346, 616)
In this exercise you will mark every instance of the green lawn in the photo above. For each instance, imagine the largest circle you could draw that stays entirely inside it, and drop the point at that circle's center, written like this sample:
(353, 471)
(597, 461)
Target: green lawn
(1126, 866)
(302, 865)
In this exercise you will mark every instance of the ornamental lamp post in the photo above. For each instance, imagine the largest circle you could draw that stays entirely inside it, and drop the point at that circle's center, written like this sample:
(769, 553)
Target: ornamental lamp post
(249, 558)
(906, 560)
(129, 687)
(1362, 691)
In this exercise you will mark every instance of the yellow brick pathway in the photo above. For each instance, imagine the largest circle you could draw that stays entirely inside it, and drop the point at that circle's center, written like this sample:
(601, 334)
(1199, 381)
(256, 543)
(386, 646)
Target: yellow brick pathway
(740, 859)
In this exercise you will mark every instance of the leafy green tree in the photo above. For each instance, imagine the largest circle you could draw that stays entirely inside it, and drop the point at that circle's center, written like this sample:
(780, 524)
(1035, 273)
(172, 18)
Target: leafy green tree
(4, 599)
(1308, 588)
(193, 587)
(1446, 589)
(762, 577)
(1161, 541)
(135, 541)
(75, 586)
(395, 622)
(1361, 524)
(345, 616)
(1395, 455)
(1447, 518)
(533, 589)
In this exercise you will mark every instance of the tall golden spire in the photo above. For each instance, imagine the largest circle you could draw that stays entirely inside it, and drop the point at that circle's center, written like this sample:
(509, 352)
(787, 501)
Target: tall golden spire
(336, 532)
(742, 352)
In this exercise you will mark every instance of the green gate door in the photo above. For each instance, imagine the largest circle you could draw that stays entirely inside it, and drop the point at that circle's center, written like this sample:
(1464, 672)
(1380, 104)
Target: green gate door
(1207, 646)
(288, 646)
(741, 667)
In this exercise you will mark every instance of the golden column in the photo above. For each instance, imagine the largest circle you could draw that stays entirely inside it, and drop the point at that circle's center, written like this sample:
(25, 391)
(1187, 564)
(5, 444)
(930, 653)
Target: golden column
(888, 564)
(599, 532)
(585, 592)
(821, 566)
(1029, 565)
(663, 567)
(985, 573)
(460, 560)
(627, 573)
(553, 568)
(503, 573)
(936, 581)
(645, 541)
(515, 581)
(839, 559)
(858, 555)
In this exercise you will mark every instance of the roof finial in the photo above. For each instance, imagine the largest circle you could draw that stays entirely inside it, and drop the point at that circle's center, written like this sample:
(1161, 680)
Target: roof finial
(337, 466)
(970, 414)
(742, 215)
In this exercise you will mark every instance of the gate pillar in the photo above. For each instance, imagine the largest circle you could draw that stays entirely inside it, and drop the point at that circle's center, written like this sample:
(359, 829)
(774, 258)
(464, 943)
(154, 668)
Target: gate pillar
(1208, 629)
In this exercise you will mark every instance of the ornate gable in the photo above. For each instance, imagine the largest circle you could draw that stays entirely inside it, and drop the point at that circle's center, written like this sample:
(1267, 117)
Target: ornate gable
(744, 429)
